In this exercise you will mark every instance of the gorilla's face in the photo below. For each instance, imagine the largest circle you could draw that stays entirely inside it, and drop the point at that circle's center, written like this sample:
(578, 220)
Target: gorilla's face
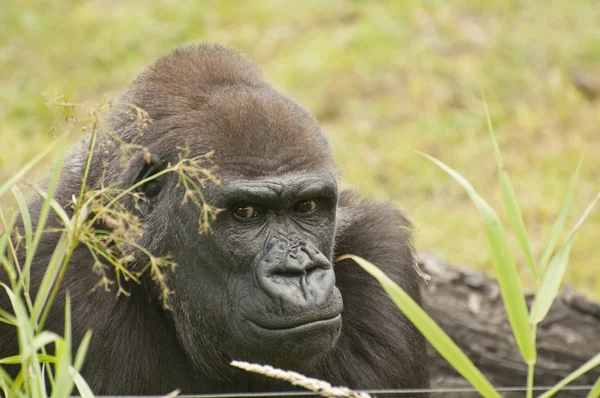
(260, 285)
(262, 279)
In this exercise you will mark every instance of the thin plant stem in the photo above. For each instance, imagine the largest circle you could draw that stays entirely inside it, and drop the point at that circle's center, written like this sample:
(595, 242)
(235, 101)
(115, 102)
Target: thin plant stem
(88, 160)
(56, 286)
(17, 266)
(531, 366)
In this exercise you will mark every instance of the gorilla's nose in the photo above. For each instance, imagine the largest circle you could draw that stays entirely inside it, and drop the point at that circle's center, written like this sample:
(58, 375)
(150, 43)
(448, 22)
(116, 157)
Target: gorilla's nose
(301, 262)
(301, 276)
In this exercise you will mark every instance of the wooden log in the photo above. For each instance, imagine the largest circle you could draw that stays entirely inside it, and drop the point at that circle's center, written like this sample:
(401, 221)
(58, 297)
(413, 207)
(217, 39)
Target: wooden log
(469, 307)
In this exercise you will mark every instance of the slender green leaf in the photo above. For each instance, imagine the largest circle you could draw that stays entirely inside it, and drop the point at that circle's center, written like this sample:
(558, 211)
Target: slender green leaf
(550, 285)
(7, 262)
(506, 269)
(553, 276)
(68, 335)
(64, 217)
(82, 350)
(19, 380)
(560, 220)
(24, 333)
(61, 375)
(84, 390)
(34, 382)
(595, 391)
(25, 216)
(88, 164)
(43, 216)
(44, 338)
(7, 317)
(21, 173)
(432, 332)
(54, 266)
(7, 385)
(64, 381)
(513, 211)
(589, 365)
(15, 360)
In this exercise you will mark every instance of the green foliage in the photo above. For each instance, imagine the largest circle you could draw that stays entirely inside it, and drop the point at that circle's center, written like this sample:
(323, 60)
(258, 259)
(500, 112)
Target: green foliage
(591, 364)
(523, 325)
(513, 213)
(432, 332)
(35, 364)
(505, 266)
(595, 391)
(554, 273)
(106, 247)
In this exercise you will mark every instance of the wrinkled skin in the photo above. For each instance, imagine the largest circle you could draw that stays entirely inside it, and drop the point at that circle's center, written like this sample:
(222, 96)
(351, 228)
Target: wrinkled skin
(274, 260)
(262, 285)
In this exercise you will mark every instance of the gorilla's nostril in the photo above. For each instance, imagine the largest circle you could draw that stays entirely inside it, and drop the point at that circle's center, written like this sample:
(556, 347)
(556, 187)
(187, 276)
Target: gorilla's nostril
(289, 273)
(310, 269)
(295, 273)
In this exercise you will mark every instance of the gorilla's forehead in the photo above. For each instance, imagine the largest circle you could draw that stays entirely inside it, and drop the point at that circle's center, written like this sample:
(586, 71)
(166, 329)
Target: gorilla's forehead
(253, 132)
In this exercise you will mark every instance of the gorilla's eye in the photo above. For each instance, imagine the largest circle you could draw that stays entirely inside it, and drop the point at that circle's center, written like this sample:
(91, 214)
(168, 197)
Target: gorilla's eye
(151, 188)
(305, 207)
(245, 212)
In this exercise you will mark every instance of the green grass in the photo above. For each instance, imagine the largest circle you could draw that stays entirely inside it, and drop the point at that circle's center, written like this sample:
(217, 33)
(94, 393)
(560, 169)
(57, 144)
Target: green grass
(386, 78)
(548, 274)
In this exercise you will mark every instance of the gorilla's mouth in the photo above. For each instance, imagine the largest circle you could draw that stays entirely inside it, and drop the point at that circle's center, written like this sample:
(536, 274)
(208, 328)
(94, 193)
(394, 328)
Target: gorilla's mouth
(298, 325)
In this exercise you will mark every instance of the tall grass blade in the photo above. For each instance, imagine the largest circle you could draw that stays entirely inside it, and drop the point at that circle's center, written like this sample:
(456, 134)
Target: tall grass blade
(43, 339)
(560, 220)
(595, 391)
(33, 379)
(513, 211)
(16, 359)
(54, 266)
(553, 276)
(82, 350)
(84, 390)
(88, 163)
(589, 365)
(64, 382)
(25, 218)
(43, 217)
(7, 262)
(6, 384)
(7, 317)
(432, 332)
(64, 217)
(506, 269)
(550, 285)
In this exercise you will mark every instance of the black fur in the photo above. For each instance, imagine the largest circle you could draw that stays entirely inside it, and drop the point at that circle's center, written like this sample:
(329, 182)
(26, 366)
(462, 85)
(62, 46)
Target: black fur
(208, 98)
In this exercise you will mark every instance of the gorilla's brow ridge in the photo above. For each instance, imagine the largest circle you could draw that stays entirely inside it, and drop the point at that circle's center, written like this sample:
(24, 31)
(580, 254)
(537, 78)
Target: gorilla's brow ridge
(279, 189)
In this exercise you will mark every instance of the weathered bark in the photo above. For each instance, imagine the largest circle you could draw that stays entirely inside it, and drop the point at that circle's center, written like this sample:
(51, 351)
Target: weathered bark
(469, 307)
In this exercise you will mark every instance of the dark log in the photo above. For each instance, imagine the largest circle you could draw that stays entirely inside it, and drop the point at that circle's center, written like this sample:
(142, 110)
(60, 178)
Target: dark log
(469, 307)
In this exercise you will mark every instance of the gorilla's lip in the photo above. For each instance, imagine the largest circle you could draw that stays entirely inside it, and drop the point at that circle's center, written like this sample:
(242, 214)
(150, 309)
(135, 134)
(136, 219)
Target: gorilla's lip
(300, 325)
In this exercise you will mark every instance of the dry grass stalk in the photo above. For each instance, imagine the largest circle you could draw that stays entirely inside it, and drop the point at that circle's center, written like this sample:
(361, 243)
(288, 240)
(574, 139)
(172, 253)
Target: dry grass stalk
(321, 387)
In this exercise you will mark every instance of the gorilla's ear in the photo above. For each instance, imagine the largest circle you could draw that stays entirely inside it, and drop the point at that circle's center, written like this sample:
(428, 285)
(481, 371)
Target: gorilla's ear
(151, 165)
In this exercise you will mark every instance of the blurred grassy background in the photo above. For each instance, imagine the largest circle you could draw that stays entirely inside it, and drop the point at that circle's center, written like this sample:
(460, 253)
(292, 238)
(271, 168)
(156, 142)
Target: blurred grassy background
(385, 78)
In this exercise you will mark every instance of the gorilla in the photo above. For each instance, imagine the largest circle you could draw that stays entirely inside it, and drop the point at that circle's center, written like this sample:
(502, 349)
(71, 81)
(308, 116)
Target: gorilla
(262, 285)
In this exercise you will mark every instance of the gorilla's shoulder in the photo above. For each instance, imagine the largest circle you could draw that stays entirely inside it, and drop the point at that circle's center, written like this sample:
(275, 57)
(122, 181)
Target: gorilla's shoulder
(374, 217)
(380, 233)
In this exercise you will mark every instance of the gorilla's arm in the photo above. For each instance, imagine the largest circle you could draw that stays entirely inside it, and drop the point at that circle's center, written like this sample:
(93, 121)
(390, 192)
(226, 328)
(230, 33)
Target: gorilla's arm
(372, 326)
